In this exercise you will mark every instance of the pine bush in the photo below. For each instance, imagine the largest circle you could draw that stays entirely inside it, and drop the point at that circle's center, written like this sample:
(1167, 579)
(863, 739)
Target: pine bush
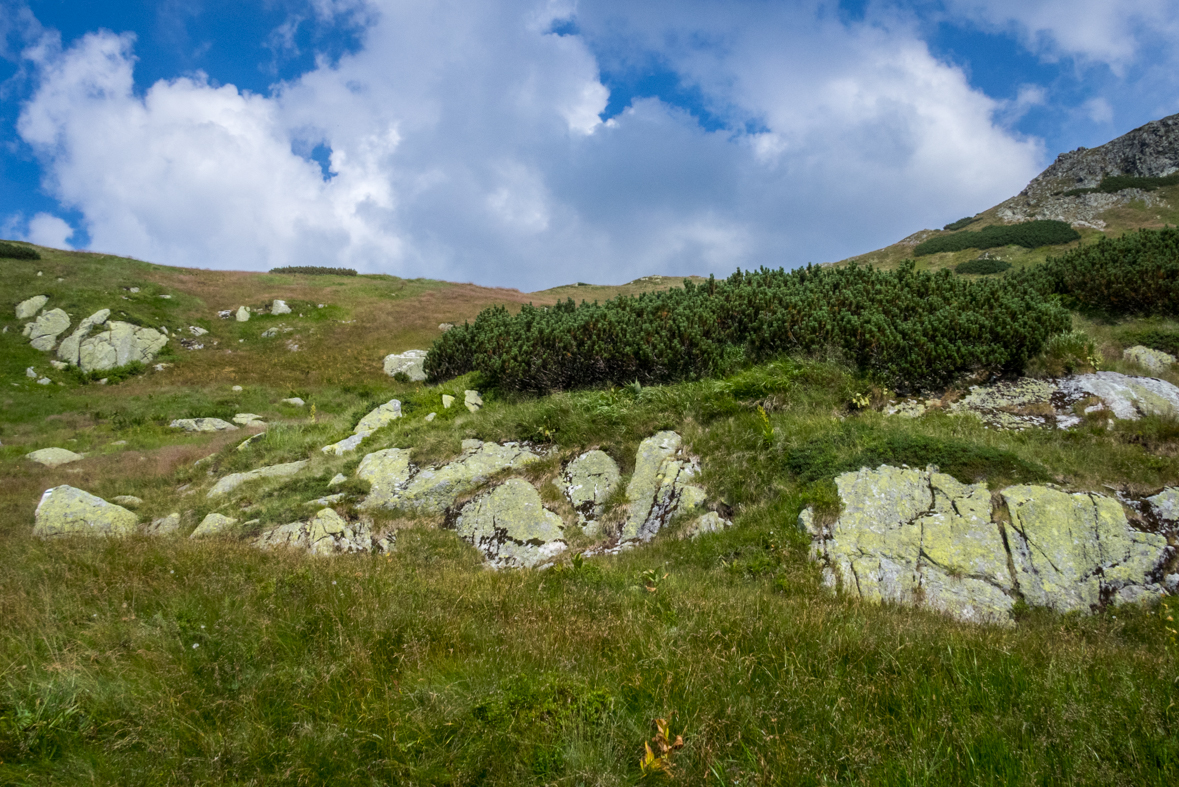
(1029, 234)
(15, 251)
(314, 270)
(983, 266)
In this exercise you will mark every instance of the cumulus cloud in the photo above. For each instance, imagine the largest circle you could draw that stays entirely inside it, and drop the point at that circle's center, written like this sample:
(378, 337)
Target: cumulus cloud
(466, 142)
(48, 230)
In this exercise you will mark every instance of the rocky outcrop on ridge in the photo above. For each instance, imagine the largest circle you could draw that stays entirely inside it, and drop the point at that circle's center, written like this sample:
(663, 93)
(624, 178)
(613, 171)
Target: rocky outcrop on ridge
(1149, 151)
(116, 343)
(326, 533)
(588, 481)
(923, 538)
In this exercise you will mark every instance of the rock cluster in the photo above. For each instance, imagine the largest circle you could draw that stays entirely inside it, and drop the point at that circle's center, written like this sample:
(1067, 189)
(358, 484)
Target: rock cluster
(115, 344)
(511, 526)
(923, 538)
(326, 533)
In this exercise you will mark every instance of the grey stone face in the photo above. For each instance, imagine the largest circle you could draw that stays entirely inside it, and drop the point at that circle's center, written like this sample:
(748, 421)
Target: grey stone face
(232, 481)
(214, 525)
(922, 538)
(661, 487)
(1152, 360)
(202, 425)
(327, 533)
(53, 457)
(511, 527)
(70, 349)
(164, 526)
(66, 511)
(409, 362)
(119, 344)
(46, 328)
(279, 307)
(589, 480)
(27, 308)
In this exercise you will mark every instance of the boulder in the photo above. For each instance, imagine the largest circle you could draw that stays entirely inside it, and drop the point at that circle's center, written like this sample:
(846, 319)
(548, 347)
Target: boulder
(337, 479)
(44, 331)
(1128, 398)
(27, 308)
(243, 314)
(127, 501)
(922, 538)
(53, 457)
(214, 525)
(196, 330)
(294, 401)
(589, 480)
(660, 488)
(31, 373)
(511, 527)
(350, 443)
(232, 481)
(119, 344)
(66, 511)
(1166, 504)
(711, 522)
(396, 485)
(202, 425)
(164, 526)
(248, 419)
(1152, 360)
(326, 534)
(472, 400)
(409, 362)
(279, 307)
(71, 348)
(385, 414)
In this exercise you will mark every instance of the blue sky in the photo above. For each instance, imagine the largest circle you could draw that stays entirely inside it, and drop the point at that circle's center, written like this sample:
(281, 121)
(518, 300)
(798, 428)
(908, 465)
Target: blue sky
(529, 143)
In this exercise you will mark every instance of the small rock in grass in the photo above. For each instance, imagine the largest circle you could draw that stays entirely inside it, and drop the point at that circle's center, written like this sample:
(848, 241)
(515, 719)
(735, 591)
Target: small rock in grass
(164, 526)
(232, 481)
(213, 525)
(53, 457)
(44, 381)
(236, 389)
(127, 501)
(243, 314)
(445, 326)
(294, 401)
(342, 447)
(61, 366)
(250, 441)
(248, 419)
(279, 307)
(409, 363)
(472, 400)
(711, 522)
(431, 416)
(337, 479)
(202, 425)
(447, 401)
(31, 373)
(196, 331)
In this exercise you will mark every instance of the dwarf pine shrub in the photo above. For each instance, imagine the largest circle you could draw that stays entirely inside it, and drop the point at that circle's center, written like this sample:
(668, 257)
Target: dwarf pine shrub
(909, 328)
(1029, 234)
(983, 266)
(314, 270)
(1111, 184)
(14, 251)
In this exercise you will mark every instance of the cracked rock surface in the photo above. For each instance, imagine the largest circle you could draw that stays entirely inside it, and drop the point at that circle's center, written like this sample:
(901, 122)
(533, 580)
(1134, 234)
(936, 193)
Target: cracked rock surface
(922, 538)
(661, 486)
(327, 533)
(511, 526)
(588, 481)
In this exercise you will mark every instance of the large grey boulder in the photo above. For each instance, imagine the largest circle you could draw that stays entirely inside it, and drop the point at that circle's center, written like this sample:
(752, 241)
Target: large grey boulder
(232, 481)
(279, 307)
(326, 534)
(118, 344)
(202, 425)
(661, 487)
(66, 511)
(1166, 504)
(27, 308)
(922, 538)
(511, 527)
(214, 525)
(588, 481)
(43, 332)
(409, 363)
(1129, 398)
(53, 457)
(398, 486)
(1152, 360)
(71, 347)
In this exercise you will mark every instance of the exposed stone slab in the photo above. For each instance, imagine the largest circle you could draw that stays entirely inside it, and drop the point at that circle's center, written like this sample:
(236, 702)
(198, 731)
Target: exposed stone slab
(66, 511)
(387, 413)
(243, 314)
(661, 486)
(53, 457)
(45, 329)
(511, 527)
(472, 401)
(214, 525)
(26, 309)
(127, 501)
(248, 419)
(326, 534)
(589, 480)
(71, 347)
(431, 490)
(202, 425)
(118, 344)
(232, 481)
(409, 363)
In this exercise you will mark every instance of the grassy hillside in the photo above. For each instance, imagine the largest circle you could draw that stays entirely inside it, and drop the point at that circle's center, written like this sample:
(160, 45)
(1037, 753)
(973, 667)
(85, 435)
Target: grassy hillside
(170, 661)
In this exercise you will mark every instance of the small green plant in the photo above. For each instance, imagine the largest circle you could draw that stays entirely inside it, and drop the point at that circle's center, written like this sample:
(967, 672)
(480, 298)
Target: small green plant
(657, 759)
(1068, 353)
(767, 428)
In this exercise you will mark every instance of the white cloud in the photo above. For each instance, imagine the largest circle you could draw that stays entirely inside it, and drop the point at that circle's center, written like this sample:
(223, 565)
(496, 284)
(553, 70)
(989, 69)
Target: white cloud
(466, 144)
(49, 230)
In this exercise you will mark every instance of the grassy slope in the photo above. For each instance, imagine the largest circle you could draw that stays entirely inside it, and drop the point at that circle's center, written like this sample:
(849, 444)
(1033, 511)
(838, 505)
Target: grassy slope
(1118, 221)
(421, 668)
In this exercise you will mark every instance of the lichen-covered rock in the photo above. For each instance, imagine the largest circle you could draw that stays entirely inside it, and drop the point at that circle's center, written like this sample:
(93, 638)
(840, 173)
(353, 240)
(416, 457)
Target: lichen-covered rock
(118, 344)
(447, 401)
(202, 425)
(1129, 398)
(66, 511)
(660, 488)
(53, 457)
(409, 363)
(431, 490)
(1151, 360)
(511, 527)
(923, 538)
(326, 534)
(279, 307)
(45, 329)
(27, 308)
(248, 419)
(1010, 404)
(214, 525)
(589, 480)
(164, 526)
(710, 522)
(294, 401)
(71, 347)
(349, 443)
(243, 314)
(127, 501)
(1166, 504)
(232, 481)
(387, 413)
(1069, 548)
(472, 400)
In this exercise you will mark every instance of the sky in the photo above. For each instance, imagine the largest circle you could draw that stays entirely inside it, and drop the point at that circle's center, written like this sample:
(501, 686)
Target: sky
(532, 143)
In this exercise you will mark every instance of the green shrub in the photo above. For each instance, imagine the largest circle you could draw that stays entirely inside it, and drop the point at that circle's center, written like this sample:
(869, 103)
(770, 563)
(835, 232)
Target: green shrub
(908, 328)
(1030, 235)
(1067, 353)
(1111, 184)
(1137, 273)
(1154, 338)
(112, 376)
(13, 251)
(960, 224)
(983, 266)
(314, 270)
